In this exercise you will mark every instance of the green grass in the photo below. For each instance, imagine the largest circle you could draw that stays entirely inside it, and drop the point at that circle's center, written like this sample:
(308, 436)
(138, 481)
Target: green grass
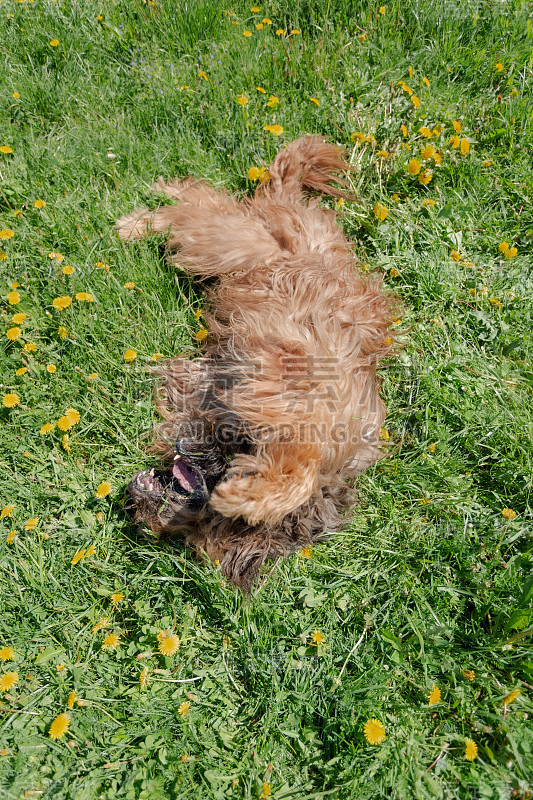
(428, 569)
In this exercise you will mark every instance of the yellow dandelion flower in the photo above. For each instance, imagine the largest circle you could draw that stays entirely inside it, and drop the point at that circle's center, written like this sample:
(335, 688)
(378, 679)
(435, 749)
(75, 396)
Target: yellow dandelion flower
(201, 334)
(382, 154)
(103, 489)
(143, 677)
(315, 101)
(374, 731)
(259, 26)
(425, 132)
(381, 212)
(56, 256)
(455, 255)
(7, 654)
(64, 423)
(455, 141)
(510, 698)
(67, 270)
(129, 285)
(276, 130)
(117, 598)
(272, 101)
(11, 537)
(16, 95)
(54, 42)
(425, 177)
(62, 331)
(169, 644)
(18, 319)
(469, 674)
(280, 32)
(428, 203)
(427, 152)
(73, 415)
(510, 252)
(6, 233)
(457, 126)
(470, 749)
(72, 699)
(295, 32)
(487, 163)
(130, 355)
(51, 368)
(362, 37)
(31, 523)
(405, 132)
(508, 513)
(384, 435)
(260, 89)
(184, 709)
(393, 272)
(499, 66)
(7, 511)
(90, 551)
(242, 100)
(61, 302)
(382, 10)
(432, 447)
(415, 101)
(39, 204)
(267, 21)
(253, 175)
(247, 33)
(47, 427)
(255, 9)
(265, 791)
(13, 298)
(154, 357)
(306, 551)
(111, 642)
(434, 696)
(503, 247)
(11, 400)
(84, 297)
(5, 148)
(414, 166)
(202, 74)
(317, 637)
(13, 334)
(8, 680)
(78, 556)
(59, 726)
(426, 82)
(464, 146)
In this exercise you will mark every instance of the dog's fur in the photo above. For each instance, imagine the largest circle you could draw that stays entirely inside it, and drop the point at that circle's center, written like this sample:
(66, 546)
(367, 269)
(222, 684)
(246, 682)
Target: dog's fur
(263, 433)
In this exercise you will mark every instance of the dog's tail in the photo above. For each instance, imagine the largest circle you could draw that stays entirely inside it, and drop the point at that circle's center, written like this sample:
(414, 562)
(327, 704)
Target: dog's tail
(309, 163)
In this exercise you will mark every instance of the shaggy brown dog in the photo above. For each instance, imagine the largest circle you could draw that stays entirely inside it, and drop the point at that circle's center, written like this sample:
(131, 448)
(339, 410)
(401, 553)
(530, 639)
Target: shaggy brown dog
(263, 432)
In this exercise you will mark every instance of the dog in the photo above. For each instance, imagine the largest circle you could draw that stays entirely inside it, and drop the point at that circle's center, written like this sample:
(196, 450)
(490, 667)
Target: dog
(263, 435)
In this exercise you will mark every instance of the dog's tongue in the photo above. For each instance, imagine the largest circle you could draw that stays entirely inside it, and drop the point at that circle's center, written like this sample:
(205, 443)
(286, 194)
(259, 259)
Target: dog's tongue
(186, 476)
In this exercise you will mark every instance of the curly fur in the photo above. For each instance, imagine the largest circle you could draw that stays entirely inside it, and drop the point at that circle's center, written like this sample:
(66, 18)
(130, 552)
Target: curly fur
(268, 428)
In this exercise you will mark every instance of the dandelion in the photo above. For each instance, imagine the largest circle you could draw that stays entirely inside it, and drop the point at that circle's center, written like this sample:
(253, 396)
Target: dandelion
(432, 447)
(499, 66)
(267, 21)
(8, 680)
(143, 677)
(72, 699)
(254, 173)
(47, 427)
(62, 331)
(56, 256)
(455, 141)
(6, 233)
(184, 709)
(382, 10)
(129, 285)
(455, 255)
(117, 598)
(317, 637)
(259, 26)
(51, 368)
(242, 100)
(54, 42)
(508, 513)
(306, 551)
(510, 252)
(11, 400)
(414, 166)
(7, 654)
(61, 302)
(7, 511)
(73, 415)
(67, 270)
(59, 726)
(84, 297)
(425, 177)
(457, 126)
(16, 95)
(384, 435)
(503, 247)
(247, 33)
(426, 82)
(470, 749)
(280, 32)
(272, 101)
(381, 212)
(374, 731)
(90, 551)
(103, 623)
(469, 674)
(274, 129)
(18, 319)
(382, 154)
(130, 355)
(13, 334)
(393, 272)
(64, 423)
(5, 148)
(39, 204)
(168, 644)
(464, 146)
(78, 556)
(202, 75)
(427, 152)
(103, 489)
(487, 163)
(315, 101)
(425, 132)
(255, 9)
(415, 101)
(13, 298)
(429, 203)
(510, 698)
(434, 696)
(11, 537)
(295, 32)
(405, 132)
(111, 642)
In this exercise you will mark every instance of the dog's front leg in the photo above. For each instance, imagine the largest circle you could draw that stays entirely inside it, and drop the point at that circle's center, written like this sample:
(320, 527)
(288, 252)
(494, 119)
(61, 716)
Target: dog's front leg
(267, 487)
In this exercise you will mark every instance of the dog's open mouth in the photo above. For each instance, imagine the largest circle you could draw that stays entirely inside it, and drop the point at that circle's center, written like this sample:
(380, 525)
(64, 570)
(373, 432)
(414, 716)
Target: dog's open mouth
(183, 482)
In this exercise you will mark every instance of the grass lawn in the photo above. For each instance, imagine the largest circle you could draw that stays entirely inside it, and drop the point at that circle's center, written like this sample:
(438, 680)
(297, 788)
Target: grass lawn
(419, 614)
